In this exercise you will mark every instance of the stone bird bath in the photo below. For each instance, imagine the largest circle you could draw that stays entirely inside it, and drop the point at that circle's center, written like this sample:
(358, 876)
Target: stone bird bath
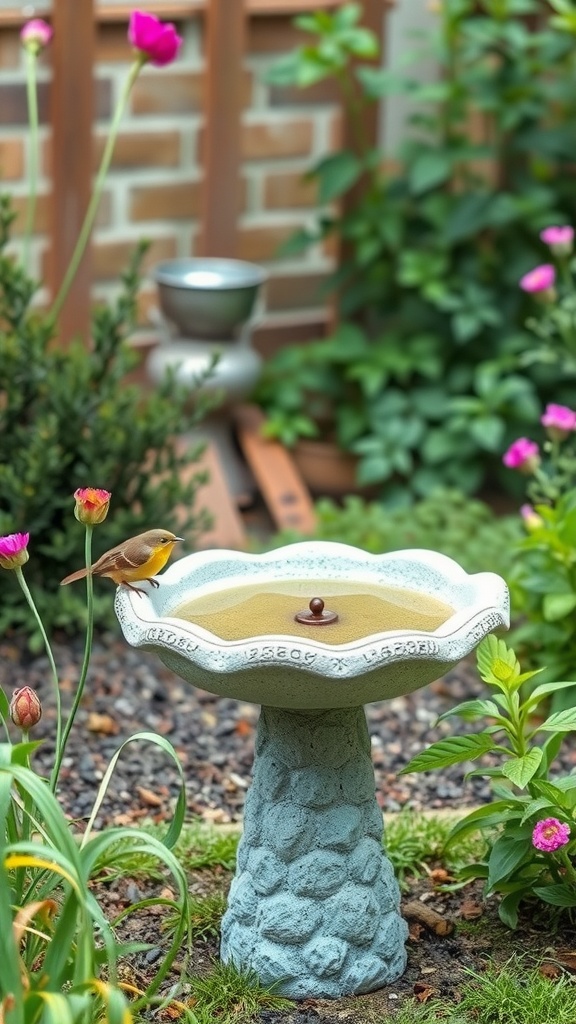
(314, 905)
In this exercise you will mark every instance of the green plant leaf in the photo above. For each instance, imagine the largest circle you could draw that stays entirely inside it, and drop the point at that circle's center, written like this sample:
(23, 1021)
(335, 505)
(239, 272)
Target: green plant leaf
(521, 769)
(429, 169)
(451, 751)
(336, 174)
(560, 721)
(560, 895)
(557, 606)
(470, 710)
(486, 817)
(505, 856)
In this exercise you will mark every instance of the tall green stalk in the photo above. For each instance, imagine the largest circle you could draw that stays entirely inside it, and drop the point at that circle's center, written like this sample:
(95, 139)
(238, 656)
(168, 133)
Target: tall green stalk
(34, 610)
(32, 101)
(87, 651)
(88, 222)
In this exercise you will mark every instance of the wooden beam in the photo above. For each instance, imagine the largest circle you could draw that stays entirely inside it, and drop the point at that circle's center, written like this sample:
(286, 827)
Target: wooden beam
(182, 9)
(221, 157)
(72, 102)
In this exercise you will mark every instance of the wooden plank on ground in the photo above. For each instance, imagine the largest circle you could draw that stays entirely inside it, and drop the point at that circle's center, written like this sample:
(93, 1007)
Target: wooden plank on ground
(227, 530)
(280, 483)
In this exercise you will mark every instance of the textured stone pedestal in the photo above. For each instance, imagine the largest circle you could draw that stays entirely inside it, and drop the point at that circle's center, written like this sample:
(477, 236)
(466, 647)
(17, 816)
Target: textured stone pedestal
(313, 907)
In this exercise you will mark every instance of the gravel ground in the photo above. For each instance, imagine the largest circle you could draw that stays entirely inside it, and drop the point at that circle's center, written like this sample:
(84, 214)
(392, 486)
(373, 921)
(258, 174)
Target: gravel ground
(128, 691)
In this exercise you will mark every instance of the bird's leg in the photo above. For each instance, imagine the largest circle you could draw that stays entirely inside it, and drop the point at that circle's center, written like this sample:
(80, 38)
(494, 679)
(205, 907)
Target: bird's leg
(136, 590)
(154, 582)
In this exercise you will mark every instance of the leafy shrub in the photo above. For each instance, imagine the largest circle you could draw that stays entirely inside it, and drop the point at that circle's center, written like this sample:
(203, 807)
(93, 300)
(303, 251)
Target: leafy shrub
(68, 418)
(432, 254)
(464, 528)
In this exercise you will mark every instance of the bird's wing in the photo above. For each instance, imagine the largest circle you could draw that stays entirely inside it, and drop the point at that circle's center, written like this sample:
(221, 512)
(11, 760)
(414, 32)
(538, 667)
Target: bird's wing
(116, 558)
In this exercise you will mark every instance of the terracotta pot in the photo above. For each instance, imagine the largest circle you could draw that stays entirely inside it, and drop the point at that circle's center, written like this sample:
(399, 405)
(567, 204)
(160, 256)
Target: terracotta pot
(325, 468)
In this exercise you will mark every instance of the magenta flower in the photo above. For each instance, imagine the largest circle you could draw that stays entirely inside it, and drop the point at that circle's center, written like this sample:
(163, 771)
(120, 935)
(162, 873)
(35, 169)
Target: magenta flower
(550, 835)
(559, 420)
(522, 454)
(14, 550)
(157, 41)
(559, 239)
(541, 279)
(35, 35)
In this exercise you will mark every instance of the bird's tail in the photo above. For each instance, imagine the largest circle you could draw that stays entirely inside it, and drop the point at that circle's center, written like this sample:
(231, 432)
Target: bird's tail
(78, 575)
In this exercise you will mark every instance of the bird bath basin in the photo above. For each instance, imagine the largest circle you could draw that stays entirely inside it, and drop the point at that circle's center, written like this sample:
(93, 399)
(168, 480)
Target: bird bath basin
(314, 905)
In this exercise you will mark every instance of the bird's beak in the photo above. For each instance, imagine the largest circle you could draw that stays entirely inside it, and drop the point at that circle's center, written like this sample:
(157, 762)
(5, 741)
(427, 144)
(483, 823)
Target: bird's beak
(177, 538)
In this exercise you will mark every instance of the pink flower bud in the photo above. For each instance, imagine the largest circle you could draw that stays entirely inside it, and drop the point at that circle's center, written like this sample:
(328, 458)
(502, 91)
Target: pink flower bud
(559, 421)
(523, 455)
(25, 707)
(35, 35)
(541, 279)
(550, 835)
(14, 550)
(158, 42)
(560, 239)
(92, 505)
(532, 521)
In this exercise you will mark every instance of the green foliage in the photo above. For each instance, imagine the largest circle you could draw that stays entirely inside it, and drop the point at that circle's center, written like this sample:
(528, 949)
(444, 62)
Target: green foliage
(413, 841)
(60, 955)
(69, 419)
(525, 794)
(231, 996)
(447, 521)
(423, 379)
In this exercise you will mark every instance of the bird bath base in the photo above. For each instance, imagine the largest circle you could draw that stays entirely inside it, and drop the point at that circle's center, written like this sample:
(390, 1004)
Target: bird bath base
(314, 905)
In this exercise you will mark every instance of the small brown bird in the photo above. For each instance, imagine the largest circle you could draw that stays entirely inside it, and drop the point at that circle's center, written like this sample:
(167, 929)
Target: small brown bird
(138, 558)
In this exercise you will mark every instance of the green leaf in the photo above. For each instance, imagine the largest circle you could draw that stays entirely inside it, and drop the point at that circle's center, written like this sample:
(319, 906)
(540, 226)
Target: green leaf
(508, 909)
(451, 751)
(557, 606)
(521, 769)
(561, 721)
(506, 854)
(469, 710)
(336, 174)
(543, 690)
(560, 895)
(542, 803)
(428, 170)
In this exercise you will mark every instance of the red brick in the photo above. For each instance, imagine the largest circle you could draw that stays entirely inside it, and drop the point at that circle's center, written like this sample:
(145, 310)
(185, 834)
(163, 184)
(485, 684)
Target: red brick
(279, 330)
(296, 291)
(142, 149)
(42, 220)
(11, 159)
(321, 94)
(269, 33)
(110, 259)
(264, 140)
(289, 190)
(261, 243)
(168, 93)
(171, 201)
(14, 105)
(11, 53)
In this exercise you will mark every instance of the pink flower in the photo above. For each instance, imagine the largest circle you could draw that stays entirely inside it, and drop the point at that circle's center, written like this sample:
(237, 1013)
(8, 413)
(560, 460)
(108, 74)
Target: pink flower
(91, 505)
(559, 239)
(532, 521)
(35, 35)
(157, 41)
(522, 454)
(14, 550)
(559, 420)
(550, 835)
(541, 279)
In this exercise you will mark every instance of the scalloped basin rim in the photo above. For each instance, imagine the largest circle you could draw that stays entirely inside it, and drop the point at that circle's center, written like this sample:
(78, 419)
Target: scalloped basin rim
(481, 605)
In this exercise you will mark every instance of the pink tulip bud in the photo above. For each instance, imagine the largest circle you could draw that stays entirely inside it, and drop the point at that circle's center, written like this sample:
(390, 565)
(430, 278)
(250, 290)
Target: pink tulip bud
(14, 550)
(550, 835)
(35, 35)
(540, 280)
(157, 41)
(560, 239)
(532, 521)
(25, 708)
(92, 505)
(523, 455)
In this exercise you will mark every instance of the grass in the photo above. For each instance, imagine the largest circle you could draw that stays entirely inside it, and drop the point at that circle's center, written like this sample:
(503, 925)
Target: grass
(413, 841)
(513, 993)
(230, 996)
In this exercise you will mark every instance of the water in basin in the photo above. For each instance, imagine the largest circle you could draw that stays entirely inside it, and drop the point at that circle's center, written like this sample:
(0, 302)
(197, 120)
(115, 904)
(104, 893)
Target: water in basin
(246, 611)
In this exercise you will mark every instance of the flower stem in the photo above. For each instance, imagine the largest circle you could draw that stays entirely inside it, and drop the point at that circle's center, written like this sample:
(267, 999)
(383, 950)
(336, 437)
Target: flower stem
(97, 192)
(32, 99)
(570, 868)
(87, 650)
(34, 610)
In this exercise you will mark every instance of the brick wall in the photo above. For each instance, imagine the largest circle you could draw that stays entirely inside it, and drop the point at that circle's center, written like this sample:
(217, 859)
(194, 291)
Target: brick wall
(154, 189)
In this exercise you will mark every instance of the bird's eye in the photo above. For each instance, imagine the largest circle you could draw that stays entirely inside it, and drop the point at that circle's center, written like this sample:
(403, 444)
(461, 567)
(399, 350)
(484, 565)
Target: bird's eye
(164, 540)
